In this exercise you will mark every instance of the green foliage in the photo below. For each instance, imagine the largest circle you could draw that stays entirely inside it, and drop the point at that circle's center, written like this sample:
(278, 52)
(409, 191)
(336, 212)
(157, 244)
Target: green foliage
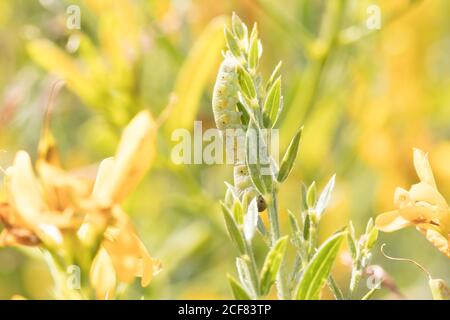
(272, 264)
(318, 270)
(239, 292)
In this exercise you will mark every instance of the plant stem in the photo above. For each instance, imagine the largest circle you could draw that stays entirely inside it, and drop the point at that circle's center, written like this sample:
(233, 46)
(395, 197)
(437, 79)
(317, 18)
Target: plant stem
(356, 277)
(253, 268)
(294, 28)
(305, 99)
(335, 288)
(272, 208)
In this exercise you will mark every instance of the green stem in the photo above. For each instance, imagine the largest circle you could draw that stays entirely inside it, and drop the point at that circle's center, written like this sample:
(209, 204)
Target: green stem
(313, 236)
(291, 26)
(272, 208)
(335, 288)
(253, 268)
(323, 46)
(356, 277)
(282, 276)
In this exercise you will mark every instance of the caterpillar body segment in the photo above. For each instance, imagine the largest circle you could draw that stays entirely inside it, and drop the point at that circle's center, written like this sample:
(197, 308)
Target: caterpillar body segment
(225, 98)
(228, 120)
(244, 186)
(242, 181)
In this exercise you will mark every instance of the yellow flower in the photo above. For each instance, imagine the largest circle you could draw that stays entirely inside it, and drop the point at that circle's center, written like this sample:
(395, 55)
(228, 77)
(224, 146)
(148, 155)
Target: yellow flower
(40, 208)
(121, 251)
(422, 206)
(122, 255)
(15, 232)
(56, 205)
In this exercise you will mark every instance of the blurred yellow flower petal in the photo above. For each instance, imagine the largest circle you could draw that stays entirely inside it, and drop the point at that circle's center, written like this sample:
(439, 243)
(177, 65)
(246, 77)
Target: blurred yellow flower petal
(104, 172)
(133, 158)
(103, 275)
(391, 221)
(128, 254)
(58, 178)
(25, 189)
(423, 167)
(422, 206)
(401, 198)
(18, 236)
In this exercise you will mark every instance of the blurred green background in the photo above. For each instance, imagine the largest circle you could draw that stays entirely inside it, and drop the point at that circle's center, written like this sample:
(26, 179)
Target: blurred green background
(373, 101)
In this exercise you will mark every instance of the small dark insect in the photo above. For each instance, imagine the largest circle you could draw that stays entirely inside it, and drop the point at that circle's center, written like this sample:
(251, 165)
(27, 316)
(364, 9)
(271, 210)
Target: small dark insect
(262, 205)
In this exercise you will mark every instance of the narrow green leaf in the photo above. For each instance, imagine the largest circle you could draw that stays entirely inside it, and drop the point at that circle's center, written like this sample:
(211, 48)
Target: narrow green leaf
(369, 294)
(239, 292)
(272, 103)
(303, 190)
(232, 43)
(306, 227)
(272, 264)
(239, 28)
(319, 268)
(275, 74)
(325, 196)
(245, 117)
(289, 157)
(311, 195)
(254, 32)
(369, 225)
(293, 222)
(337, 292)
(229, 198)
(262, 227)
(244, 276)
(278, 116)
(238, 212)
(351, 240)
(246, 83)
(372, 238)
(253, 54)
(246, 104)
(232, 193)
(233, 229)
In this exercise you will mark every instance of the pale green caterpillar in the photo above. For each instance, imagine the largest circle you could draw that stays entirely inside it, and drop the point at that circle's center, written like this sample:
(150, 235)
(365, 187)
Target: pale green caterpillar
(244, 185)
(226, 117)
(225, 96)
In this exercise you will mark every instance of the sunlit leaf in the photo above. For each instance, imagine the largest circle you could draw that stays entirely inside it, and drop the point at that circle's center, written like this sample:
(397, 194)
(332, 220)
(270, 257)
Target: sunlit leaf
(239, 292)
(317, 271)
(272, 264)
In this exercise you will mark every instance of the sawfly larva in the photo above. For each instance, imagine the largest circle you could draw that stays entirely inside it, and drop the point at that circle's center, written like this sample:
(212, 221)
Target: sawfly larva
(225, 96)
(226, 116)
(244, 186)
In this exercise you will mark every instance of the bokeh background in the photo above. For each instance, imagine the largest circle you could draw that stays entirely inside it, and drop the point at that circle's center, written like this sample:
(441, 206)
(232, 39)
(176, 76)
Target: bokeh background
(374, 100)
